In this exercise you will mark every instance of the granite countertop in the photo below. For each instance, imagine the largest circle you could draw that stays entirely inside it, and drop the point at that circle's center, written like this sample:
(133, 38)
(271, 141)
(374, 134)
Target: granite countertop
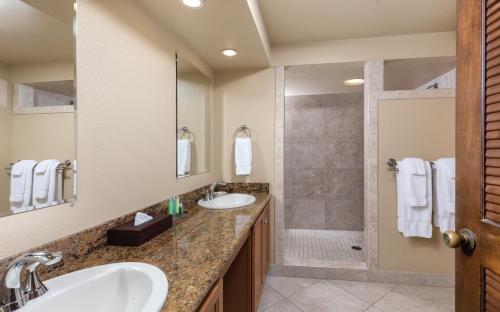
(193, 254)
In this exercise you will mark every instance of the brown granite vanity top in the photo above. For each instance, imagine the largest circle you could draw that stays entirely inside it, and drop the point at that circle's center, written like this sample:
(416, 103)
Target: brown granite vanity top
(193, 254)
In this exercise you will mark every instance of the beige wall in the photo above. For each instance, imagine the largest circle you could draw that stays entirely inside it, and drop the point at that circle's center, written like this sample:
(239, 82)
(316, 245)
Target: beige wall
(364, 49)
(420, 128)
(45, 136)
(247, 97)
(5, 140)
(38, 72)
(126, 124)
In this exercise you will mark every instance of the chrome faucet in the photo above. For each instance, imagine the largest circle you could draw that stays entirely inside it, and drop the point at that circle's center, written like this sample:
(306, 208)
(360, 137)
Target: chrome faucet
(211, 190)
(13, 296)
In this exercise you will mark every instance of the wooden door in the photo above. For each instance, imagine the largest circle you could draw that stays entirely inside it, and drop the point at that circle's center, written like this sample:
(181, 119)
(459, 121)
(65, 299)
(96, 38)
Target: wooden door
(214, 300)
(257, 277)
(478, 155)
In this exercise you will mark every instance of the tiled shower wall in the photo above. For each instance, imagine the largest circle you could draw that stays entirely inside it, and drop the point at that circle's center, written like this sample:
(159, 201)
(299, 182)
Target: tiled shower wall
(324, 162)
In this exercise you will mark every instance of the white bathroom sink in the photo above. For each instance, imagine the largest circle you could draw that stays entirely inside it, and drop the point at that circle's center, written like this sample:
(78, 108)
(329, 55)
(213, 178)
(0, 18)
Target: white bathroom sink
(124, 287)
(228, 201)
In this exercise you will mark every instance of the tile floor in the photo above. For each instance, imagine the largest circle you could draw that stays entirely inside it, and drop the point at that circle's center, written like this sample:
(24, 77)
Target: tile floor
(324, 248)
(289, 294)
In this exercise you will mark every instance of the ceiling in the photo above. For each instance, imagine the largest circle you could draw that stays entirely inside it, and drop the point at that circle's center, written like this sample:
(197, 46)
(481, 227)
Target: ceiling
(28, 35)
(254, 26)
(220, 24)
(322, 78)
(297, 21)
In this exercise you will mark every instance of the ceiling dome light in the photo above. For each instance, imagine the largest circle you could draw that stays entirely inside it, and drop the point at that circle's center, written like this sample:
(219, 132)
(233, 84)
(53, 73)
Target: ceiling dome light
(354, 82)
(229, 52)
(194, 4)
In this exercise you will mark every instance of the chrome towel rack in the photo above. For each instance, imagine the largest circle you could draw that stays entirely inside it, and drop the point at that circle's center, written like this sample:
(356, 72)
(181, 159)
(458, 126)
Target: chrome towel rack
(244, 130)
(393, 165)
(183, 132)
(67, 164)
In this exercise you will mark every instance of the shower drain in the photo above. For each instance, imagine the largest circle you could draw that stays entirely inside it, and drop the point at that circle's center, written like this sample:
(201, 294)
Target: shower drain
(356, 248)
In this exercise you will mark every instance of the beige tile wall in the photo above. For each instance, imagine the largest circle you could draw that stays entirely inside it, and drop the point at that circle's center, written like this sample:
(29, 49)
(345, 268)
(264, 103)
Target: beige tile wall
(324, 162)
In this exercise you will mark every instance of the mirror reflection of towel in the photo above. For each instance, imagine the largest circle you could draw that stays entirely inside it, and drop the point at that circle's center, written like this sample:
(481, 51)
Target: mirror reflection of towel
(20, 186)
(47, 184)
(183, 156)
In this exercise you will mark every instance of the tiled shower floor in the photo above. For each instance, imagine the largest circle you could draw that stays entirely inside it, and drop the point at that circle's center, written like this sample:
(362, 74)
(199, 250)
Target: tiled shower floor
(324, 248)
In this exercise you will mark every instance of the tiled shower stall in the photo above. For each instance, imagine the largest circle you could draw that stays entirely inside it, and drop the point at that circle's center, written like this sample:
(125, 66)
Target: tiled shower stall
(324, 213)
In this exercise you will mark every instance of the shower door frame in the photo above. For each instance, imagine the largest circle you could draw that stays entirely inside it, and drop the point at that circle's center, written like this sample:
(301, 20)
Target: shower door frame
(370, 187)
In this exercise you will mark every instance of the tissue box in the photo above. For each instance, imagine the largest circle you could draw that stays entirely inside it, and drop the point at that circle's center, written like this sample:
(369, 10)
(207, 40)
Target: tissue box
(129, 235)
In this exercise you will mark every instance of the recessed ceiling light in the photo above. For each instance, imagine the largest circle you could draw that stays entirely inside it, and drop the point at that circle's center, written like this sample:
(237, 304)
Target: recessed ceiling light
(229, 52)
(354, 82)
(194, 4)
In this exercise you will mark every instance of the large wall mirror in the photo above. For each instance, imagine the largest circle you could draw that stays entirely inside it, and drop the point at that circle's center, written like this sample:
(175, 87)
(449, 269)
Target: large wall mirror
(37, 104)
(194, 94)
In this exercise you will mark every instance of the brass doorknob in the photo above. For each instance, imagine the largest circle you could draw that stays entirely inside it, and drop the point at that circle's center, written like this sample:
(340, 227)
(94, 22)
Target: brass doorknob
(464, 238)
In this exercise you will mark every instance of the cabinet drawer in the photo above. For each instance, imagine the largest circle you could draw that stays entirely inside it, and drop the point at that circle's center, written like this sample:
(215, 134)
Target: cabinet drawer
(213, 301)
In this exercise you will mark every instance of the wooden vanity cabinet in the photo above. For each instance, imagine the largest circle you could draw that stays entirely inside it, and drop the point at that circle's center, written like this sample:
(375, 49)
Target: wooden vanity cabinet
(260, 255)
(244, 278)
(214, 300)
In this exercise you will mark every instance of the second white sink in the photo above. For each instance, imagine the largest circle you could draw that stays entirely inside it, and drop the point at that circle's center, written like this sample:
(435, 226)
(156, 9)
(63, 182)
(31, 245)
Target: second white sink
(228, 201)
(124, 287)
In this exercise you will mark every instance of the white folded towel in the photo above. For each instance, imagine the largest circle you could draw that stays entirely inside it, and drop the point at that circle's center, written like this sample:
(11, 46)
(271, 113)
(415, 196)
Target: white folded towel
(44, 183)
(444, 190)
(17, 183)
(243, 156)
(414, 220)
(20, 186)
(414, 173)
(183, 156)
(42, 166)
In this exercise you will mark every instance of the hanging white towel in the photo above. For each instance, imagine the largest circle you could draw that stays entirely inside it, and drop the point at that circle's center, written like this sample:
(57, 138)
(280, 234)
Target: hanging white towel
(416, 193)
(414, 189)
(243, 156)
(444, 190)
(183, 156)
(20, 186)
(43, 189)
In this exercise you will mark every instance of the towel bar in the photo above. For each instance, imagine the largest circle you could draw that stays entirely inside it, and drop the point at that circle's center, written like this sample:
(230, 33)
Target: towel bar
(243, 129)
(182, 132)
(67, 164)
(393, 165)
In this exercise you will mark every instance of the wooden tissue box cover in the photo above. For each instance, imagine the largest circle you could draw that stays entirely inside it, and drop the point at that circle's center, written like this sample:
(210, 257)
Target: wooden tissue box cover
(129, 235)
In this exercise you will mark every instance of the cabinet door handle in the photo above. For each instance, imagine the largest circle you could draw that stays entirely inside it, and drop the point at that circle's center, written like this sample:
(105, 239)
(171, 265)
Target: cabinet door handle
(265, 221)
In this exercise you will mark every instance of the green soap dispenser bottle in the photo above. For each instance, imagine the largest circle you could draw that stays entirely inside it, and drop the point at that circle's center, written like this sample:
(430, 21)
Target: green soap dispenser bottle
(171, 206)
